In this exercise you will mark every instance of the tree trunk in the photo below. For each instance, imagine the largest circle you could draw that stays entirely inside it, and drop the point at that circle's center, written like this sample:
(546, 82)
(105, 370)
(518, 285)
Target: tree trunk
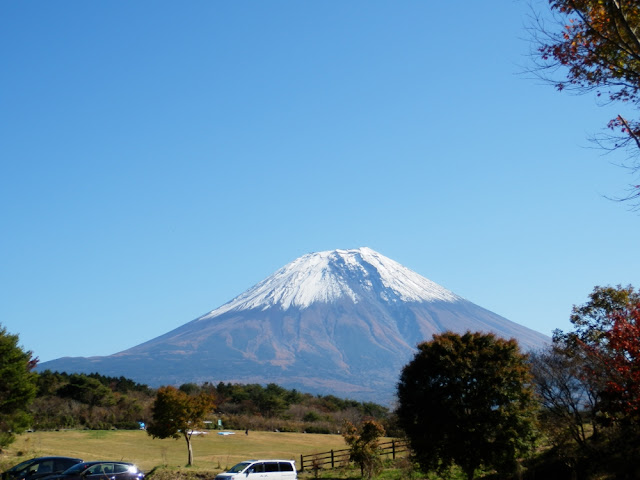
(187, 437)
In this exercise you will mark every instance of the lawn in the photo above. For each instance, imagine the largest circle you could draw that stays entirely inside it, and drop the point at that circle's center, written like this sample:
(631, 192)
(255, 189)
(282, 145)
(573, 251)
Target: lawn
(211, 452)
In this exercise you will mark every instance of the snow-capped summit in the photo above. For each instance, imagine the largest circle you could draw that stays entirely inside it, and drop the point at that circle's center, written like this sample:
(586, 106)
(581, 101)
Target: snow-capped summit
(359, 274)
(343, 322)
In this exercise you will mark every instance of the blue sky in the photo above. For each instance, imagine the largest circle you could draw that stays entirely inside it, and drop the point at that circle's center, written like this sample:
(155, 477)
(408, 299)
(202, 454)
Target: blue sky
(159, 158)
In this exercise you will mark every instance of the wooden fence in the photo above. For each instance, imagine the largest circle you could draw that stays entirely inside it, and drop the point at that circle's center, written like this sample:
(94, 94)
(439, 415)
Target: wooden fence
(339, 458)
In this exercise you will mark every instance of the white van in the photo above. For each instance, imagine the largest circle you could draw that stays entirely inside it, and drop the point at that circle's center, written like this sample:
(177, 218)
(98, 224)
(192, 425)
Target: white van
(261, 470)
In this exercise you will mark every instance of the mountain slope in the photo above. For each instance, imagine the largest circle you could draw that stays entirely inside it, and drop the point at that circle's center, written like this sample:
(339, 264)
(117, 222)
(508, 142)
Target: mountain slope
(342, 321)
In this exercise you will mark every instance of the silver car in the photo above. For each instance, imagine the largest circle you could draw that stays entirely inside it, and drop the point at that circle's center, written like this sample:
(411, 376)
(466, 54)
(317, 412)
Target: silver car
(261, 470)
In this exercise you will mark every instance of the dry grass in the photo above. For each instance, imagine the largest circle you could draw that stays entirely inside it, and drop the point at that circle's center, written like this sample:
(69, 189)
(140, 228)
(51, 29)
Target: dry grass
(212, 452)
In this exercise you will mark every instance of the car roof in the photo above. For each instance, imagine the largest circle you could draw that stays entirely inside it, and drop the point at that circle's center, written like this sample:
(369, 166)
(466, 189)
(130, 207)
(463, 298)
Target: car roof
(56, 457)
(33, 460)
(269, 460)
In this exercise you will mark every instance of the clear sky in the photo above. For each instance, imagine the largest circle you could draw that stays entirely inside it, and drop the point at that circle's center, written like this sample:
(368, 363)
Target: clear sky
(158, 158)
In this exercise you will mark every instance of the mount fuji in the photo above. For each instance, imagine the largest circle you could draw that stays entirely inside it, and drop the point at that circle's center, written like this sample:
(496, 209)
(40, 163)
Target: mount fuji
(343, 322)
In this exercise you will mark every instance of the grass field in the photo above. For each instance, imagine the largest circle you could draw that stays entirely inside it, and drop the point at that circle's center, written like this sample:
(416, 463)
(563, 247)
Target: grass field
(211, 452)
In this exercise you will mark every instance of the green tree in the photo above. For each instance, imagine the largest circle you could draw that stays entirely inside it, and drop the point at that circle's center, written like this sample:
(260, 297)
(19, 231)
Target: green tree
(17, 387)
(87, 390)
(363, 445)
(176, 414)
(467, 400)
(594, 45)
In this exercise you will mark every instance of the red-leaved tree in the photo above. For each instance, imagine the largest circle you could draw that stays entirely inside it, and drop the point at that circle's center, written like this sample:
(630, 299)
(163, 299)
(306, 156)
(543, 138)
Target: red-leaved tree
(599, 361)
(620, 360)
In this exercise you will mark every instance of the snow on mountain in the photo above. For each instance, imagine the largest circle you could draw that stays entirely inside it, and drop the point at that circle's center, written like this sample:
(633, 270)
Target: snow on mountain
(328, 276)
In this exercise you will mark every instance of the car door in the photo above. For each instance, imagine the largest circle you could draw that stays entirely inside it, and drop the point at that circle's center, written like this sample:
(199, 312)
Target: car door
(287, 471)
(41, 468)
(96, 472)
(61, 464)
(271, 471)
(255, 471)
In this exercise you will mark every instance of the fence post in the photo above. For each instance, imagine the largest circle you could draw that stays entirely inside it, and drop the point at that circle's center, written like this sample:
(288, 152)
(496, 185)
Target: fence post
(332, 466)
(301, 463)
(393, 449)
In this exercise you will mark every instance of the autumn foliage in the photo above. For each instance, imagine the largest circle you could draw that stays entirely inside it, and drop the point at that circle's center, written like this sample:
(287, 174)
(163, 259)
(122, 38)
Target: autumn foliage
(619, 356)
(599, 44)
(363, 442)
(595, 46)
(606, 337)
(598, 361)
(177, 414)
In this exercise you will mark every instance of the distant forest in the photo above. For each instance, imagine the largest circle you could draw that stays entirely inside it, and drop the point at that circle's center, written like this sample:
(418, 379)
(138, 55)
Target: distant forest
(97, 402)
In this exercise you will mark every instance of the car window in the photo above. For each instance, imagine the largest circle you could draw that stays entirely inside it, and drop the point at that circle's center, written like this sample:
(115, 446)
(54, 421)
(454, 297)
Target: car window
(96, 469)
(271, 466)
(62, 464)
(123, 468)
(44, 467)
(21, 466)
(285, 467)
(239, 467)
(77, 468)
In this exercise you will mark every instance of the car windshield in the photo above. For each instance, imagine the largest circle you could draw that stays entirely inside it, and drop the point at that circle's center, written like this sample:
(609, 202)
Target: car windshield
(239, 467)
(21, 466)
(77, 468)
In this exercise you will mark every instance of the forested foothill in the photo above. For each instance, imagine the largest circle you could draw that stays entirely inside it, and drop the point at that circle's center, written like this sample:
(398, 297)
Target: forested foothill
(94, 401)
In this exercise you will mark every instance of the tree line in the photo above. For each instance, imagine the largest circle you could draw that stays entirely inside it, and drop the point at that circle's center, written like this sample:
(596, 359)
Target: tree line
(63, 400)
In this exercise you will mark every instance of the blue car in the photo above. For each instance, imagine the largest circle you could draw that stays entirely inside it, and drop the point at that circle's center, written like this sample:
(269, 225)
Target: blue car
(100, 470)
(39, 467)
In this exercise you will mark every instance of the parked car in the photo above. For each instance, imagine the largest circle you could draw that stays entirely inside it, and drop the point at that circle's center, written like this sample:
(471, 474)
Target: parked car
(39, 467)
(261, 469)
(101, 470)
